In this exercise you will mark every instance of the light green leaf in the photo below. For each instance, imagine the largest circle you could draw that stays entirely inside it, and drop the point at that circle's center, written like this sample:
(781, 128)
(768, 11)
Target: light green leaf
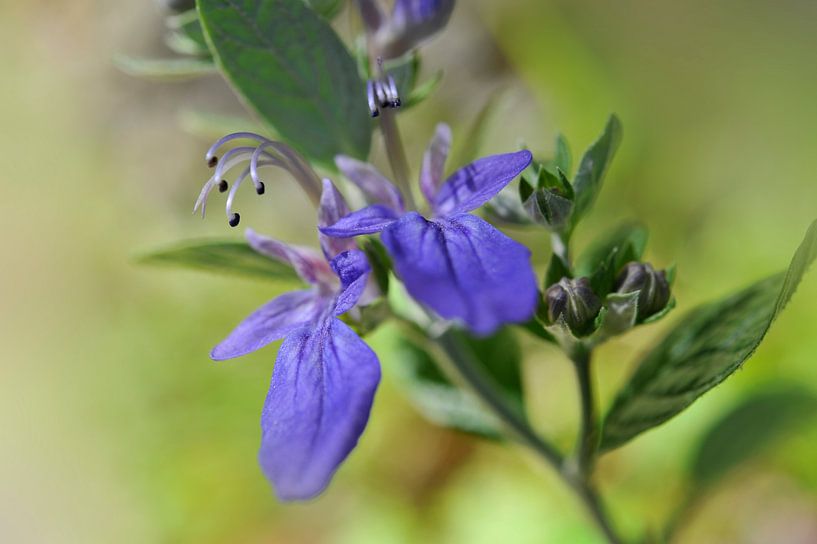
(290, 67)
(186, 35)
(172, 69)
(703, 350)
(222, 257)
(422, 91)
(749, 429)
(593, 167)
(442, 402)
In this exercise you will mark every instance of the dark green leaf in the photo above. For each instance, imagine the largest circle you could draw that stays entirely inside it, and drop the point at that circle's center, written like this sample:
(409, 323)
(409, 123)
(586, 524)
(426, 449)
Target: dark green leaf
(749, 429)
(223, 257)
(549, 209)
(562, 159)
(499, 357)
(604, 258)
(175, 69)
(702, 351)
(593, 167)
(293, 70)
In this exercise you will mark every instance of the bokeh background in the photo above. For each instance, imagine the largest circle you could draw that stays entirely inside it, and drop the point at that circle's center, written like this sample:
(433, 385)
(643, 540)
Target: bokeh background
(116, 427)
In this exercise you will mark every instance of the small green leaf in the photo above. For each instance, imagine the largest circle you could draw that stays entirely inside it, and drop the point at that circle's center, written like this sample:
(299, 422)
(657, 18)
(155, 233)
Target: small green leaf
(293, 70)
(548, 208)
(749, 429)
(604, 258)
(327, 9)
(171, 69)
(593, 167)
(222, 257)
(442, 402)
(703, 350)
(422, 91)
(562, 159)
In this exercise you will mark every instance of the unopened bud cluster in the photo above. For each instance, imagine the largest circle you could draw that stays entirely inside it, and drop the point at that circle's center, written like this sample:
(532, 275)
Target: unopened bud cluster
(652, 286)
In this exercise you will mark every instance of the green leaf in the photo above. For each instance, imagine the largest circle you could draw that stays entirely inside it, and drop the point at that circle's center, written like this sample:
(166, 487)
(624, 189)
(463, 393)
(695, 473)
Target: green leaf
(290, 67)
(379, 260)
(593, 167)
(749, 429)
(171, 69)
(703, 350)
(422, 91)
(327, 9)
(548, 208)
(562, 159)
(223, 257)
(605, 257)
(442, 402)
(211, 126)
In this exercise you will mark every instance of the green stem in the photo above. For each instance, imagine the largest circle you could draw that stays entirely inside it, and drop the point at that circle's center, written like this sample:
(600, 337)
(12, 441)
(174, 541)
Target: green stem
(588, 440)
(462, 361)
(396, 154)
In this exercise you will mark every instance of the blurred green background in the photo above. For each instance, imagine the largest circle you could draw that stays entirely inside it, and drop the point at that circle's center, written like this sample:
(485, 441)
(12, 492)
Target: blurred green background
(116, 427)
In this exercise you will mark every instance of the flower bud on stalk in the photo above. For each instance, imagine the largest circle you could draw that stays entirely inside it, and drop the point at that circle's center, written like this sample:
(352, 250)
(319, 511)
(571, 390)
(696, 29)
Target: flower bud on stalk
(653, 287)
(575, 302)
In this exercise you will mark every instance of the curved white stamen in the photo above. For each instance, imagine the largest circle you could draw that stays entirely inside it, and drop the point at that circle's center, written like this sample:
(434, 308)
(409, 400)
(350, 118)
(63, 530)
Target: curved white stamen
(211, 183)
(211, 153)
(254, 163)
(239, 180)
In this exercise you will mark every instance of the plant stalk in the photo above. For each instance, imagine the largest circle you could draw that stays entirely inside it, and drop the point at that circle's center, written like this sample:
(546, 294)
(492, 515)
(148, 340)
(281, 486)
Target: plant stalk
(588, 440)
(396, 154)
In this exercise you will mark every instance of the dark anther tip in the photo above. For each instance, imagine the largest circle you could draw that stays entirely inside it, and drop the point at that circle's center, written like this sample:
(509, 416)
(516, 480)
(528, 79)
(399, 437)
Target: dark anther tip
(212, 162)
(397, 103)
(235, 219)
(375, 114)
(223, 186)
(260, 189)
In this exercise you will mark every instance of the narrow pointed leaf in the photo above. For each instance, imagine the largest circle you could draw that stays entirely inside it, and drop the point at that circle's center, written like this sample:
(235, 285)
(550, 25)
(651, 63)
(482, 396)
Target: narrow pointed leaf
(593, 167)
(167, 69)
(711, 343)
(290, 67)
(222, 257)
(442, 402)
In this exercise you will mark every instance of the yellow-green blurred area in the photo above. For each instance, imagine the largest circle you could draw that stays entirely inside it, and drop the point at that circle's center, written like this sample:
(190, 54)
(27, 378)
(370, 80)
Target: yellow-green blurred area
(116, 427)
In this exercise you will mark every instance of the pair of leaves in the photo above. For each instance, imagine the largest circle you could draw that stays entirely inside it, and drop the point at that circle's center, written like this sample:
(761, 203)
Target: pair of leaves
(221, 257)
(291, 68)
(703, 350)
(498, 358)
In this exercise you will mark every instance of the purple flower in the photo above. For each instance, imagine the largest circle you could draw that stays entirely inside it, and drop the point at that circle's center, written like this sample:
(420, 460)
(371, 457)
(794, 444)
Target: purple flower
(454, 263)
(410, 22)
(325, 376)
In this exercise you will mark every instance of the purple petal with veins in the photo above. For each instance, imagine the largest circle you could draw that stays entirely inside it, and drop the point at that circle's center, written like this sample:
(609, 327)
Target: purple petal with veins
(374, 185)
(463, 268)
(271, 322)
(365, 221)
(318, 404)
(332, 208)
(433, 169)
(472, 186)
(352, 267)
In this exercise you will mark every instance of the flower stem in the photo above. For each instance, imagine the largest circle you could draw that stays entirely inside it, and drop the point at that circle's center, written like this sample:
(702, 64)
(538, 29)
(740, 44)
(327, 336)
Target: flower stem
(588, 440)
(396, 154)
(462, 361)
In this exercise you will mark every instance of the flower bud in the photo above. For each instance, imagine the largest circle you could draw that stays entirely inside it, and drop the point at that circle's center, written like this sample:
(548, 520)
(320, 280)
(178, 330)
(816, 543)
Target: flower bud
(575, 302)
(653, 287)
